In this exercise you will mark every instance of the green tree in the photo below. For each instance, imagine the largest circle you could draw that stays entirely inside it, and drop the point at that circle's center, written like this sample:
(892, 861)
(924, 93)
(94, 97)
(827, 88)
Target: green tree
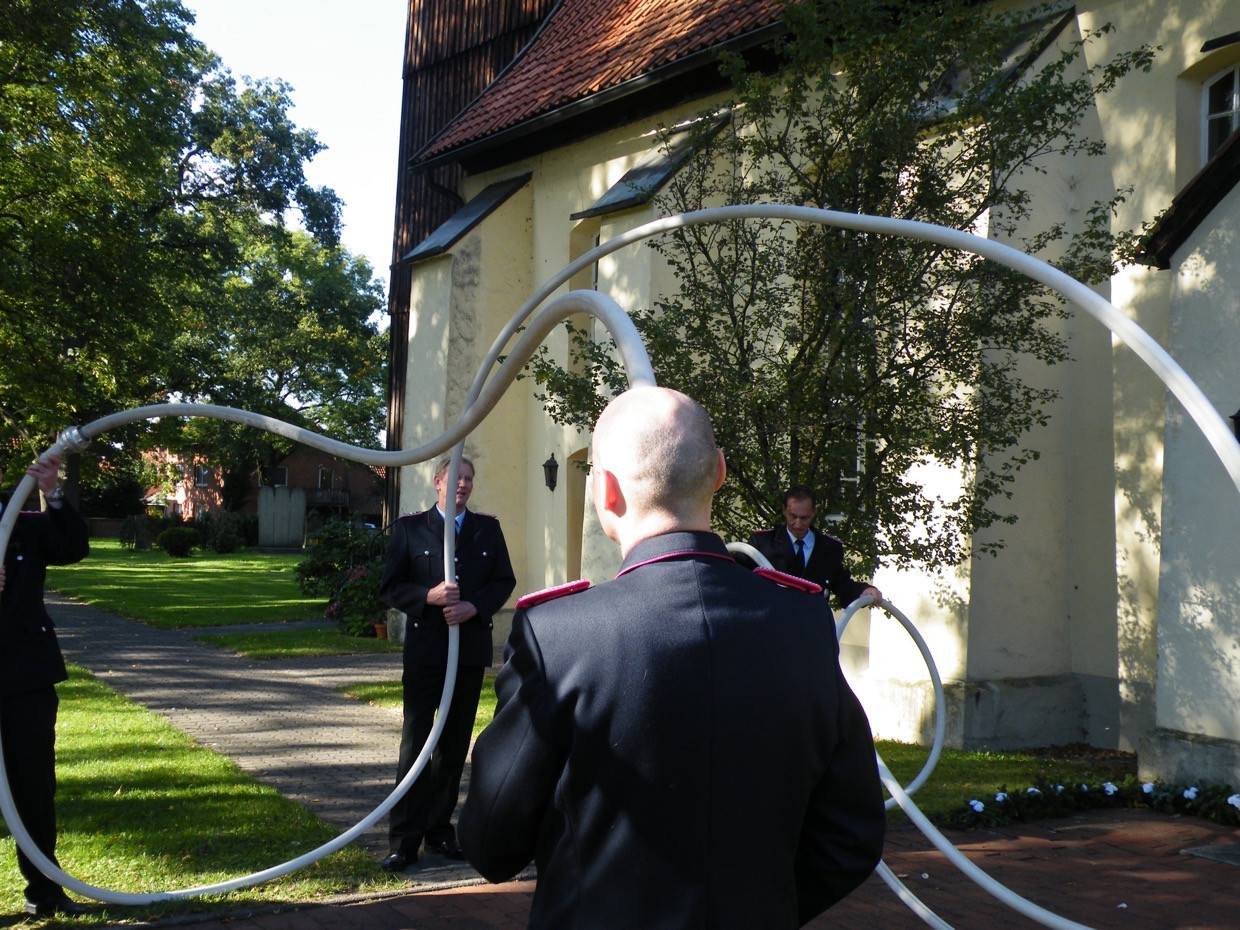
(291, 333)
(135, 175)
(845, 360)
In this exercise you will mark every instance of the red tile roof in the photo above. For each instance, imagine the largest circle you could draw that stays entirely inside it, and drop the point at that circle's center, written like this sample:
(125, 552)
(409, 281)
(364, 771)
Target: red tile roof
(586, 46)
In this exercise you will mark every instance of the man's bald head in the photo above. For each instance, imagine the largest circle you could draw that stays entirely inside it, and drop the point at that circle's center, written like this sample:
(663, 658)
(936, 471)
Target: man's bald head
(660, 445)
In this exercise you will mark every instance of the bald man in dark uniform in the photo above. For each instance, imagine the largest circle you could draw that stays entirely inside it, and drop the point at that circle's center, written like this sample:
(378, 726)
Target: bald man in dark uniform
(31, 665)
(675, 748)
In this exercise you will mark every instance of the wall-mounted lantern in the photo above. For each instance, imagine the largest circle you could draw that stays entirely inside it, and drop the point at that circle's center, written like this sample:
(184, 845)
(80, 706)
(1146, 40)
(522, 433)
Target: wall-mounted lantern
(551, 468)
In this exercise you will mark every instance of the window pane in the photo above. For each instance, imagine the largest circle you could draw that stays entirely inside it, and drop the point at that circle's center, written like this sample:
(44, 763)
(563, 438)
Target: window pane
(1220, 98)
(1222, 106)
(1217, 133)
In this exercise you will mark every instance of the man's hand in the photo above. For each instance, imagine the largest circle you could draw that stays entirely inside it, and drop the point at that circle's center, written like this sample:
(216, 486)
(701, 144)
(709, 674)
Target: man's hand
(46, 473)
(444, 594)
(459, 613)
(874, 593)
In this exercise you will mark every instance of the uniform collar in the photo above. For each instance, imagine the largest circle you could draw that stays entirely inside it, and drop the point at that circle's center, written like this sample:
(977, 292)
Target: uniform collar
(672, 545)
(460, 517)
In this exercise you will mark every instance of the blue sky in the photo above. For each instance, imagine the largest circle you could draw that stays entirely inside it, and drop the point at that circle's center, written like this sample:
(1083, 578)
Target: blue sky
(343, 61)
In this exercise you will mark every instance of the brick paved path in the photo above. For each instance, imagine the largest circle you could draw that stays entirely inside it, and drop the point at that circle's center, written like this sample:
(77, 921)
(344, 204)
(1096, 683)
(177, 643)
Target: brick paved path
(285, 724)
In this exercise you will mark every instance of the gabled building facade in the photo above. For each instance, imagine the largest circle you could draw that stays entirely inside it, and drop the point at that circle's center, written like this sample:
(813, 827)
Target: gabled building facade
(1113, 614)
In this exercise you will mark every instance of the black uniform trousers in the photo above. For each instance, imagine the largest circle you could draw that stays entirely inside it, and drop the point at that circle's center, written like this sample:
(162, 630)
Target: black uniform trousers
(426, 809)
(28, 725)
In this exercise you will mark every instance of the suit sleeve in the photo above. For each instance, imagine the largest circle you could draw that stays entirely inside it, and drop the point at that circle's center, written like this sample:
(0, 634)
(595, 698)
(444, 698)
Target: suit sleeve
(842, 835)
(762, 541)
(66, 538)
(839, 580)
(515, 765)
(397, 586)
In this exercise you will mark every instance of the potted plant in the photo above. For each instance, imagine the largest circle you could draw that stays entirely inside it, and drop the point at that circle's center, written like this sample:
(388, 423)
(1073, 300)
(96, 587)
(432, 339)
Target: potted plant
(356, 606)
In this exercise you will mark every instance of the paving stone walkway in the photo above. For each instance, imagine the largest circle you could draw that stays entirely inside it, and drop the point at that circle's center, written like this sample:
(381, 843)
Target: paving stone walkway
(285, 723)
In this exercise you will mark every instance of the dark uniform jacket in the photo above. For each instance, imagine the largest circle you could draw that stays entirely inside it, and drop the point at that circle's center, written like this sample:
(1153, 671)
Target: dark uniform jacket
(826, 562)
(676, 748)
(29, 653)
(414, 565)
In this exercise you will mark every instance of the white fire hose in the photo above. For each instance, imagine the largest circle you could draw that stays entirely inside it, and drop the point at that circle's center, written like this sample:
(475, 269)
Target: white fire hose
(485, 392)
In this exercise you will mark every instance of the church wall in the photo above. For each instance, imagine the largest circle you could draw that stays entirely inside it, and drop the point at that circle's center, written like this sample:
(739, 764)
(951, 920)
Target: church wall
(1057, 638)
(1198, 700)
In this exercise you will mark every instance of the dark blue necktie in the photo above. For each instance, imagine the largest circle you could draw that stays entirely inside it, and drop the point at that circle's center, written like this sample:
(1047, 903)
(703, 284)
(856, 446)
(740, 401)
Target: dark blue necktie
(801, 552)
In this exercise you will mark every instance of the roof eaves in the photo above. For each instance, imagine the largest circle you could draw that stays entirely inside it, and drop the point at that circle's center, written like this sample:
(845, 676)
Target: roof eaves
(1192, 205)
(595, 101)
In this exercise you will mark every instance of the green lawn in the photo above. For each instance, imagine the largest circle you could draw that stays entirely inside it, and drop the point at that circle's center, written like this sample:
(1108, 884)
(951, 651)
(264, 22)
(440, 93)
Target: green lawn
(206, 589)
(388, 694)
(141, 808)
(292, 644)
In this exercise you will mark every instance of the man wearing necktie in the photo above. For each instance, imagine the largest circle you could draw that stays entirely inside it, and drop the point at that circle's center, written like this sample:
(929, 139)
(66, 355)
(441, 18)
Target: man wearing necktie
(797, 548)
(413, 582)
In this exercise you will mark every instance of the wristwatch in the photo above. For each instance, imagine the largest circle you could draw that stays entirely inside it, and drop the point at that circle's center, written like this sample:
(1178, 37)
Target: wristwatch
(55, 494)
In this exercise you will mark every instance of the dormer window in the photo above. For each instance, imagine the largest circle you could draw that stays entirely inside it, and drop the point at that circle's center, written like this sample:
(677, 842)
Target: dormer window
(1222, 106)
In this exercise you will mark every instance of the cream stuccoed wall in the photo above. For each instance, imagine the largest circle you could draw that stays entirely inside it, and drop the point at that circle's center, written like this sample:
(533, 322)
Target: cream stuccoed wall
(1025, 640)
(1198, 699)
(459, 302)
(1057, 637)
(479, 285)
(1165, 533)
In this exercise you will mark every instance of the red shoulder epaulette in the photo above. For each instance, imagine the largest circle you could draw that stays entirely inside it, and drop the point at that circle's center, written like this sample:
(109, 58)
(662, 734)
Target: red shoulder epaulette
(479, 513)
(789, 581)
(413, 513)
(550, 594)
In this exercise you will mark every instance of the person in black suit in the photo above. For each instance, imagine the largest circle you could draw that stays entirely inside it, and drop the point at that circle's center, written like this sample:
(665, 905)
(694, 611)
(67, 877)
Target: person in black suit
(677, 747)
(32, 667)
(797, 548)
(413, 581)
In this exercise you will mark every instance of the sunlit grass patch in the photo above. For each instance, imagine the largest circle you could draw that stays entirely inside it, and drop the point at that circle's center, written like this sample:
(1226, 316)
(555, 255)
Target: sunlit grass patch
(389, 695)
(291, 644)
(206, 589)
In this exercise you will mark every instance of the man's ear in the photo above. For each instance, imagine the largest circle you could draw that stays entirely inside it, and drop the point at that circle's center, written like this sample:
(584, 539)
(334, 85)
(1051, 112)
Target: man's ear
(721, 469)
(612, 499)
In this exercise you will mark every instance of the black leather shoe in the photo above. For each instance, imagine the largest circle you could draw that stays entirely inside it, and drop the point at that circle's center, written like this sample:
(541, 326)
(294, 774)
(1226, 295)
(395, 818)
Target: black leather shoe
(447, 848)
(56, 904)
(398, 862)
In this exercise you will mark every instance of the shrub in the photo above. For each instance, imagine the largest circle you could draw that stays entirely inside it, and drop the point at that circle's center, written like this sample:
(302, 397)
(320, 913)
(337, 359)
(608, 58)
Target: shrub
(141, 531)
(331, 551)
(344, 563)
(1063, 797)
(225, 531)
(356, 606)
(179, 541)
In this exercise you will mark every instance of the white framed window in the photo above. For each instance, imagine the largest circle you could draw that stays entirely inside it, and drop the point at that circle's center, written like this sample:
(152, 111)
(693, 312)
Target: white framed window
(1220, 103)
(202, 476)
(326, 477)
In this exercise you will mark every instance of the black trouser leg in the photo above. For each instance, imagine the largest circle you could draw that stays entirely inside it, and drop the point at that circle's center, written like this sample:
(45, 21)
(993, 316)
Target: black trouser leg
(449, 761)
(28, 725)
(421, 810)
